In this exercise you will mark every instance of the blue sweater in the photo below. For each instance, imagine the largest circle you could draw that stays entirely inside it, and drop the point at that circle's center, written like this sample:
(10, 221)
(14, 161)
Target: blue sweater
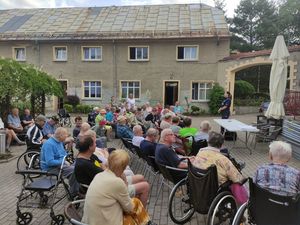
(52, 154)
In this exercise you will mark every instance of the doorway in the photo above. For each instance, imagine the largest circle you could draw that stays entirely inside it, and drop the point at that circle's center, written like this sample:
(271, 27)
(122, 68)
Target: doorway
(171, 92)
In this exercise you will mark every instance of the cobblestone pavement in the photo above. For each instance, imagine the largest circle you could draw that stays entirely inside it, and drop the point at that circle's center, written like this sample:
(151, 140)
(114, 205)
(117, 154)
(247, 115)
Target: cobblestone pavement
(10, 183)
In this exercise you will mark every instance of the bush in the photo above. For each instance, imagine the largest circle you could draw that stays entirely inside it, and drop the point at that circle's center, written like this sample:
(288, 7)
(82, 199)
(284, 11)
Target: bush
(216, 97)
(73, 100)
(248, 102)
(68, 107)
(83, 108)
(195, 108)
(262, 96)
(243, 89)
(22, 106)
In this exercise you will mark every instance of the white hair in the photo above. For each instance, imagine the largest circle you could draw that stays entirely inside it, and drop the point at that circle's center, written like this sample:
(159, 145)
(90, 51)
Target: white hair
(280, 150)
(136, 129)
(205, 125)
(164, 133)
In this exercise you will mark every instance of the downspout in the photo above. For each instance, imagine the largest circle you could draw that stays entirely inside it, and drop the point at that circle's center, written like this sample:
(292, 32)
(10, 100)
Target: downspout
(115, 72)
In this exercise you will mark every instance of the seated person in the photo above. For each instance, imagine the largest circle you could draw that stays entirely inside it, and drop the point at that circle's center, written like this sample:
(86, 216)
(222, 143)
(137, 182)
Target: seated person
(92, 116)
(85, 127)
(165, 155)
(78, 123)
(26, 119)
(211, 155)
(175, 125)
(277, 177)
(108, 201)
(52, 154)
(187, 130)
(153, 117)
(10, 135)
(148, 145)
(138, 135)
(101, 122)
(123, 131)
(14, 122)
(178, 108)
(35, 135)
(50, 127)
(204, 130)
(166, 121)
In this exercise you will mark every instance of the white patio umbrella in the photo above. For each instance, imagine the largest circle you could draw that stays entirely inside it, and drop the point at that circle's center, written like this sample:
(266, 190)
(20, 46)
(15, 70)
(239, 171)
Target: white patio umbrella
(278, 78)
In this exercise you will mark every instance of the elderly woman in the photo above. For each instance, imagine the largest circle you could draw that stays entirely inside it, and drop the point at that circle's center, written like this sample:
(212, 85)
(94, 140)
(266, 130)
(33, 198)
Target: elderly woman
(277, 176)
(204, 130)
(107, 200)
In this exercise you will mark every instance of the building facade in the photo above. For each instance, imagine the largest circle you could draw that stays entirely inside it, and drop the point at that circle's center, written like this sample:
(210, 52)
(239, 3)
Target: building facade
(159, 53)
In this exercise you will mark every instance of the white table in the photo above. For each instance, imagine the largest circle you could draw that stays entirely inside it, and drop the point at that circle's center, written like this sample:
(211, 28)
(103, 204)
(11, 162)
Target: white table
(233, 125)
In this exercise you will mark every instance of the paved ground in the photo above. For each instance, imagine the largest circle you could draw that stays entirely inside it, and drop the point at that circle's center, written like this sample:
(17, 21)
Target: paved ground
(10, 183)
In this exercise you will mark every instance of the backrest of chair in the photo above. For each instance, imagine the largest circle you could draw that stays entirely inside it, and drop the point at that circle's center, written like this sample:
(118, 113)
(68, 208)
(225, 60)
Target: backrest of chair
(151, 162)
(272, 209)
(197, 145)
(172, 174)
(274, 132)
(62, 112)
(138, 151)
(72, 213)
(203, 187)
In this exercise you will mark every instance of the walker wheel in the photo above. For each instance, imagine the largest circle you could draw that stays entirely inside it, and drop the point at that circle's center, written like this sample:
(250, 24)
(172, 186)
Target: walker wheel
(58, 220)
(24, 218)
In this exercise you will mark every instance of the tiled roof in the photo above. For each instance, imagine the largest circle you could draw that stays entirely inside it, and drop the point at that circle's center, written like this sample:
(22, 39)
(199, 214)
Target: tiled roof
(265, 52)
(149, 21)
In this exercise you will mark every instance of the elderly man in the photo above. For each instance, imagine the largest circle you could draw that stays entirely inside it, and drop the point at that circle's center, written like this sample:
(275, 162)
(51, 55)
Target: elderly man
(166, 121)
(26, 119)
(35, 134)
(164, 154)
(148, 145)
(204, 130)
(277, 176)
(14, 122)
(211, 155)
(138, 135)
(123, 131)
(52, 155)
(50, 127)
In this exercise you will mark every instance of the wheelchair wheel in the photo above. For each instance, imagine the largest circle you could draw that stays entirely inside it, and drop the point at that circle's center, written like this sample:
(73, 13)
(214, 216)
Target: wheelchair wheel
(26, 158)
(222, 209)
(58, 220)
(24, 218)
(180, 209)
(239, 216)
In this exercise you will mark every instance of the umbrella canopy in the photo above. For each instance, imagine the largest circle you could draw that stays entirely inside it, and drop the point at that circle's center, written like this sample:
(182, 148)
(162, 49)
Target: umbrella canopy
(278, 78)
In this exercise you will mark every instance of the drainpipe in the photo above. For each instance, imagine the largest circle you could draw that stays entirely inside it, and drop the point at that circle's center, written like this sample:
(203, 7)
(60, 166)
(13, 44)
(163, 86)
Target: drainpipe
(115, 72)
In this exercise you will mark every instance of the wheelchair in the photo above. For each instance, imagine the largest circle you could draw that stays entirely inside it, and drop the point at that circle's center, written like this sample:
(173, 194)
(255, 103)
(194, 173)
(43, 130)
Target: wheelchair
(73, 212)
(268, 208)
(40, 189)
(200, 192)
(64, 118)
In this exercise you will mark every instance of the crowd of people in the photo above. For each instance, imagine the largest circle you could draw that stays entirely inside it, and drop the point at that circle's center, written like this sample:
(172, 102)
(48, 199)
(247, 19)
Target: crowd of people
(103, 174)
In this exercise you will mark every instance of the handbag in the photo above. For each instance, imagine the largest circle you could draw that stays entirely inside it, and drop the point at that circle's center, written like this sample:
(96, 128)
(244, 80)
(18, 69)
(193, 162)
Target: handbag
(239, 192)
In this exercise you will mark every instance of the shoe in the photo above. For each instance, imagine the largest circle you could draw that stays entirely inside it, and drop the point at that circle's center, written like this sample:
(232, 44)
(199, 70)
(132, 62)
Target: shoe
(22, 143)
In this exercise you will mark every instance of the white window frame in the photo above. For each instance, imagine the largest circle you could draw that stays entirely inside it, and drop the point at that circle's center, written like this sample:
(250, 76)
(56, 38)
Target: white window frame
(55, 48)
(127, 94)
(83, 89)
(139, 47)
(187, 46)
(205, 88)
(15, 53)
(90, 59)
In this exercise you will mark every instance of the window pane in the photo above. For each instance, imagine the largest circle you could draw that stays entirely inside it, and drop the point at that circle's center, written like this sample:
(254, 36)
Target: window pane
(180, 53)
(195, 91)
(86, 92)
(98, 92)
(123, 84)
(208, 91)
(93, 53)
(20, 53)
(130, 91)
(136, 93)
(201, 94)
(124, 93)
(136, 84)
(138, 53)
(86, 83)
(97, 53)
(187, 53)
(209, 85)
(130, 84)
(193, 53)
(132, 53)
(86, 53)
(202, 85)
(145, 53)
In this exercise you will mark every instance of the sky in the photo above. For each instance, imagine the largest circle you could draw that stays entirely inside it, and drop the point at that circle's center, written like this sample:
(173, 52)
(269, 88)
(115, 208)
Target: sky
(10, 4)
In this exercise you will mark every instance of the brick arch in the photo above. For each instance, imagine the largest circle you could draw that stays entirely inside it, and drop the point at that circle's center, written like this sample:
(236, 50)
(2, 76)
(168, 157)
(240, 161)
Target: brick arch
(240, 65)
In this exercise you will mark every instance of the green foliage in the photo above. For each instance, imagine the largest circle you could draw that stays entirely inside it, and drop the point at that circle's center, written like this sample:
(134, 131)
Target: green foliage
(248, 102)
(68, 107)
(215, 99)
(83, 108)
(195, 108)
(22, 105)
(243, 89)
(73, 100)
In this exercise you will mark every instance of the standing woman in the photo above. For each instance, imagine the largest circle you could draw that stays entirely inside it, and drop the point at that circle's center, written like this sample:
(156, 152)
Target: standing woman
(225, 107)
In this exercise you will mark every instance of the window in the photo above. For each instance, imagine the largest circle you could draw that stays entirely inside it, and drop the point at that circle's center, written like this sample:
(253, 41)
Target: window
(92, 89)
(130, 87)
(92, 53)
(139, 53)
(187, 53)
(20, 54)
(201, 90)
(60, 53)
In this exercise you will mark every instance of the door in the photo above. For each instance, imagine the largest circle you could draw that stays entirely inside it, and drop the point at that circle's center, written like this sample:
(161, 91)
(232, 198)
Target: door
(171, 92)
(61, 100)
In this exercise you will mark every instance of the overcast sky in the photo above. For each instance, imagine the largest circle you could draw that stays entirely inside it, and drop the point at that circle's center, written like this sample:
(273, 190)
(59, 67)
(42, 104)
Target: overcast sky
(9, 4)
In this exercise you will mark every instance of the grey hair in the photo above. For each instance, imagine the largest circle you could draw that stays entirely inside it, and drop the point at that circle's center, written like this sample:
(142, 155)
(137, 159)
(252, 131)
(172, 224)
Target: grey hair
(40, 118)
(164, 133)
(280, 150)
(136, 129)
(205, 125)
(151, 132)
(60, 131)
(215, 139)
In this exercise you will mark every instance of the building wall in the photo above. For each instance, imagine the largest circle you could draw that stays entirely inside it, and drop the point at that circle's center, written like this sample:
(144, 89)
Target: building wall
(162, 65)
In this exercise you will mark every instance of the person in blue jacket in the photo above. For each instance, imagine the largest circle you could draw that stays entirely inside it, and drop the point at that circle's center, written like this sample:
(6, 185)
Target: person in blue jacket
(225, 107)
(52, 155)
